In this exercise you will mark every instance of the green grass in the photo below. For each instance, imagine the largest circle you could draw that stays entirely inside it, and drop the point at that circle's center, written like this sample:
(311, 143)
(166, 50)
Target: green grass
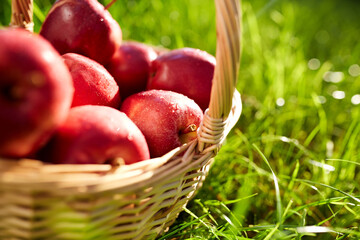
(290, 168)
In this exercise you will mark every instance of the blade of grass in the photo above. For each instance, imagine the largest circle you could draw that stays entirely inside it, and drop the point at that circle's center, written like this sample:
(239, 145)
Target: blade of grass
(331, 187)
(320, 229)
(334, 200)
(209, 227)
(233, 220)
(38, 13)
(351, 137)
(277, 189)
(240, 209)
(294, 175)
(343, 160)
(181, 227)
(272, 232)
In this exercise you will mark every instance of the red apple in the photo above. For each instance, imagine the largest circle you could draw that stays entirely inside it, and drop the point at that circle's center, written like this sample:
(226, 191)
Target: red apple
(130, 67)
(94, 135)
(92, 82)
(84, 27)
(187, 70)
(36, 91)
(167, 119)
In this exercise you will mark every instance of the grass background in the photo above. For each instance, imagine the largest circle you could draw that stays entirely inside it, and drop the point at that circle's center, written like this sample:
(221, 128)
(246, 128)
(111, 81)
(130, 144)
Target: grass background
(290, 168)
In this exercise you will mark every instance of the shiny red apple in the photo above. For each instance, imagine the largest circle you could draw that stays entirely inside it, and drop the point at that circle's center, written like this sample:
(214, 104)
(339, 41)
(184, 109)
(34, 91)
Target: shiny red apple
(167, 119)
(36, 92)
(92, 82)
(130, 67)
(187, 70)
(95, 135)
(84, 27)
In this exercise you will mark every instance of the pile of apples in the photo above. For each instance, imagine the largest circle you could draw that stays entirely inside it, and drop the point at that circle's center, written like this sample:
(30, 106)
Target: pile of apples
(76, 93)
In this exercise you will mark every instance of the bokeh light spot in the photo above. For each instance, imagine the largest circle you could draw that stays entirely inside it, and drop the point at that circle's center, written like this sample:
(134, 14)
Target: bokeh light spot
(355, 99)
(338, 94)
(333, 77)
(314, 64)
(165, 41)
(280, 102)
(321, 99)
(354, 70)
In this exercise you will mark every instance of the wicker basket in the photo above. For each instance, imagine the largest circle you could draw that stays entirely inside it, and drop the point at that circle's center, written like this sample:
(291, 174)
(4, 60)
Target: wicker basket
(138, 201)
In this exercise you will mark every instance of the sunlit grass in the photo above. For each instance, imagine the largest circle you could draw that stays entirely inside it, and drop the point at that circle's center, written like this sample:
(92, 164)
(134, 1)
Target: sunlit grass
(295, 120)
(290, 168)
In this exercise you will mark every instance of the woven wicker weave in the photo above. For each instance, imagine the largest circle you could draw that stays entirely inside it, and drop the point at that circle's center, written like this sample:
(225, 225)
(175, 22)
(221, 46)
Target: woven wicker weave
(138, 201)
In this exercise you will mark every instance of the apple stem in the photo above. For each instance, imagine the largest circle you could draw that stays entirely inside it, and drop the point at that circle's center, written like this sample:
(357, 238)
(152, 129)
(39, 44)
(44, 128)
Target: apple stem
(116, 162)
(190, 128)
(110, 4)
(187, 137)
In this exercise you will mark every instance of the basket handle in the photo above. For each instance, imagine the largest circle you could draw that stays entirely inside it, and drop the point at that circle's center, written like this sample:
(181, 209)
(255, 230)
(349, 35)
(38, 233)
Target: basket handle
(223, 93)
(22, 14)
(228, 15)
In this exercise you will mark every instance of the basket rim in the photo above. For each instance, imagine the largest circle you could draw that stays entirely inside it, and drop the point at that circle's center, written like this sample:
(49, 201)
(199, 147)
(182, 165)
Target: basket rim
(32, 174)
